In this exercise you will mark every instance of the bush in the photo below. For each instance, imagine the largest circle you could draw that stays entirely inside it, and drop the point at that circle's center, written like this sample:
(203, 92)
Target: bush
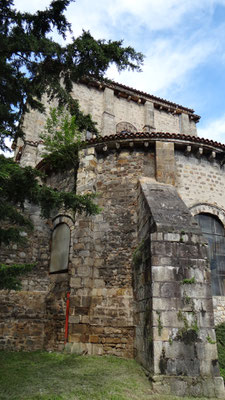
(220, 337)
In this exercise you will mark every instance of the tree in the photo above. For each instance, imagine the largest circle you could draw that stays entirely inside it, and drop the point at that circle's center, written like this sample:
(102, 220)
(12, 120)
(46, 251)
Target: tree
(32, 64)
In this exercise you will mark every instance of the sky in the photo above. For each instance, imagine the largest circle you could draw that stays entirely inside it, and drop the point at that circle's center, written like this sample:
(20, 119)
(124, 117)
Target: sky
(183, 42)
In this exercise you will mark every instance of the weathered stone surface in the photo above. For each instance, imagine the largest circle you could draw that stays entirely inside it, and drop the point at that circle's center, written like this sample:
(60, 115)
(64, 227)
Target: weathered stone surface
(165, 162)
(172, 339)
(128, 266)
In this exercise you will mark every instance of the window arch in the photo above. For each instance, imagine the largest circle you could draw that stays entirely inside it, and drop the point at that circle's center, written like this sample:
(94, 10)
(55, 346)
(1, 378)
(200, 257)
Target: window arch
(213, 231)
(60, 248)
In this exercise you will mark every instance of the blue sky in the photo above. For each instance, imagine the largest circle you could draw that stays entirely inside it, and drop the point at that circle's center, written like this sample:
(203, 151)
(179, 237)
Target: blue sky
(183, 42)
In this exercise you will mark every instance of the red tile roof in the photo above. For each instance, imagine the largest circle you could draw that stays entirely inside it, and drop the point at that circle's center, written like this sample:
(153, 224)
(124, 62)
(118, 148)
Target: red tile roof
(155, 135)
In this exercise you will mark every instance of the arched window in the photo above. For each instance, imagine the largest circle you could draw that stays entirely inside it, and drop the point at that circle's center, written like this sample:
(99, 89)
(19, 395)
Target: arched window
(213, 231)
(60, 248)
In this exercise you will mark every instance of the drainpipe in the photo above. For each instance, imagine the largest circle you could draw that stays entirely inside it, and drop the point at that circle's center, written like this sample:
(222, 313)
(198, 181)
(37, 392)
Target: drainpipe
(67, 316)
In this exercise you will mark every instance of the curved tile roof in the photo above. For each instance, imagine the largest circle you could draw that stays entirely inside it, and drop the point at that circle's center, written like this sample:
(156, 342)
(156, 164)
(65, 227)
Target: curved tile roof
(155, 135)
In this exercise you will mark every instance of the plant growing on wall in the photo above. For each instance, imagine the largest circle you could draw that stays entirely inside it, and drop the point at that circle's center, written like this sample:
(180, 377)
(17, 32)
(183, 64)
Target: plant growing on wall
(220, 338)
(62, 140)
(17, 186)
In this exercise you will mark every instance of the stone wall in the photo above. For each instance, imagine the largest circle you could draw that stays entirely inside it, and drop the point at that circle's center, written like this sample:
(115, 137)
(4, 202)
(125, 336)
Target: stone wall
(177, 321)
(31, 320)
(101, 318)
(110, 106)
(200, 183)
(142, 282)
(117, 307)
(199, 180)
(35, 317)
(219, 309)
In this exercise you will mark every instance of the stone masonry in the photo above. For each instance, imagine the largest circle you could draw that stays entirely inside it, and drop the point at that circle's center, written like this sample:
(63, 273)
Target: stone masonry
(174, 304)
(138, 273)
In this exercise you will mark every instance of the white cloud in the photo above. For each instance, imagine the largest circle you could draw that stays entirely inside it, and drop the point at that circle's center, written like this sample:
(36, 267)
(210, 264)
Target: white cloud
(131, 14)
(176, 36)
(101, 16)
(31, 6)
(168, 64)
(214, 130)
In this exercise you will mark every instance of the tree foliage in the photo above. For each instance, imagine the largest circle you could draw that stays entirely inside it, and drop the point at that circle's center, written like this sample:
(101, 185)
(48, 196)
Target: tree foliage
(18, 185)
(62, 140)
(33, 64)
(10, 275)
(220, 338)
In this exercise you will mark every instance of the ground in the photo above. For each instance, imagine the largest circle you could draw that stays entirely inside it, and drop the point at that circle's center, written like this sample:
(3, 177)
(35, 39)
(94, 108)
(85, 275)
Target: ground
(60, 376)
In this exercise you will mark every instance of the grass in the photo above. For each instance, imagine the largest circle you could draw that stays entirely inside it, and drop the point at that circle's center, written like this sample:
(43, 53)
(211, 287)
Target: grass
(59, 376)
(220, 337)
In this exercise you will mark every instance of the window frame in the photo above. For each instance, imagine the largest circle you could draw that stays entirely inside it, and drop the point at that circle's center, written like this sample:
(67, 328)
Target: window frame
(213, 238)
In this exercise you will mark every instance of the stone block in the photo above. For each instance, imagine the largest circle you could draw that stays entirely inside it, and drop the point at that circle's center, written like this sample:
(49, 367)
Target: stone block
(179, 350)
(161, 261)
(77, 348)
(94, 339)
(97, 349)
(164, 304)
(185, 367)
(68, 347)
(83, 271)
(219, 387)
(206, 351)
(165, 162)
(163, 335)
(172, 237)
(170, 289)
(75, 282)
(74, 319)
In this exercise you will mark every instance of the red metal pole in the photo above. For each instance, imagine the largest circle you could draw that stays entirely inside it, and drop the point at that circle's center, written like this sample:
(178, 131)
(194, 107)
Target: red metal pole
(67, 316)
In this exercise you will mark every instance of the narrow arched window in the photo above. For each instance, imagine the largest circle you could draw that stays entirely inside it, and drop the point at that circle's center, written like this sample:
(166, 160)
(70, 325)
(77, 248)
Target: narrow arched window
(60, 248)
(213, 231)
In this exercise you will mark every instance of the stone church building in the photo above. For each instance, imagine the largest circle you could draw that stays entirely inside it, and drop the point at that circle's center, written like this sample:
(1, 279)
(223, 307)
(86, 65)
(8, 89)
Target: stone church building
(134, 280)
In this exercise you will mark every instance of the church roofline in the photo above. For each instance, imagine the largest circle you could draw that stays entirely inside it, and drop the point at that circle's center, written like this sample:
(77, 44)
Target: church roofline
(158, 101)
(186, 143)
(157, 135)
(145, 135)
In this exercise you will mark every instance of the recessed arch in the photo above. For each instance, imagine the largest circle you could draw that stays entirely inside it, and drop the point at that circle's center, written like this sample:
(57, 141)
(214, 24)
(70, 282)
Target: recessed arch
(125, 127)
(208, 209)
(63, 226)
(60, 247)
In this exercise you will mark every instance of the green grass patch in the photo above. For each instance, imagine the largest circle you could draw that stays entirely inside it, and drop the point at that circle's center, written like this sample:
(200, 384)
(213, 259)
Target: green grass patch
(220, 339)
(59, 376)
